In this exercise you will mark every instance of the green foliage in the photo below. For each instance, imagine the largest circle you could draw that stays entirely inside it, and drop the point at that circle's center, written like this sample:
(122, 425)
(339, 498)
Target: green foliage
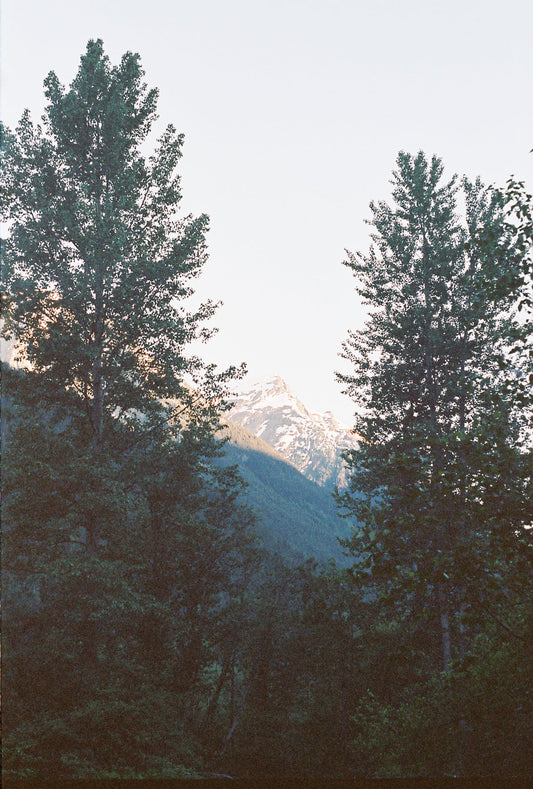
(98, 263)
(126, 551)
(439, 479)
(145, 634)
(302, 678)
(295, 516)
(519, 209)
(441, 482)
(486, 697)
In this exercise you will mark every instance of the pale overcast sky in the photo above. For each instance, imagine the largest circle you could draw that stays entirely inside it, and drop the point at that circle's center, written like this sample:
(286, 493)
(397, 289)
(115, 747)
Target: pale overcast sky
(294, 112)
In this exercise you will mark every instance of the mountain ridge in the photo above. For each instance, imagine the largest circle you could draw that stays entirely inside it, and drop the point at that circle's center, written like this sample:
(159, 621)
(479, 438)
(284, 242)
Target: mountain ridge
(295, 516)
(312, 442)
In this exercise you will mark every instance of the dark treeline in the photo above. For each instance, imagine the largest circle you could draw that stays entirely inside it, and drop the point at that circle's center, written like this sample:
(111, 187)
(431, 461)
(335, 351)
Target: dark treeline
(147, 633)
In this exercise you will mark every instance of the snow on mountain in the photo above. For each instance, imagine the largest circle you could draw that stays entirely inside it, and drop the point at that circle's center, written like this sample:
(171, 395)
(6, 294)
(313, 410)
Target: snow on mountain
(310, 441)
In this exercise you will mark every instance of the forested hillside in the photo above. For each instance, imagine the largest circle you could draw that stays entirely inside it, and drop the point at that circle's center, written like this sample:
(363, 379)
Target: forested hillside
(294, 516)
(162, 617)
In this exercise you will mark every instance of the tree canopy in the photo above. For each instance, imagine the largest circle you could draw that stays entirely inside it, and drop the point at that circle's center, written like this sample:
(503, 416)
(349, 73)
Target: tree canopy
(441, 481)
(147, 633)
(125, 547)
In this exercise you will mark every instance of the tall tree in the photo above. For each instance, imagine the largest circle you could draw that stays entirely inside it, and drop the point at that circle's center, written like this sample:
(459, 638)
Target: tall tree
(440, 483)
(518, 205)
(98, 263)
(111, 432)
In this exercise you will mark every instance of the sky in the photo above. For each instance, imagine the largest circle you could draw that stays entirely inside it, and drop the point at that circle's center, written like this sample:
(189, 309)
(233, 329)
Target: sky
(293, 113)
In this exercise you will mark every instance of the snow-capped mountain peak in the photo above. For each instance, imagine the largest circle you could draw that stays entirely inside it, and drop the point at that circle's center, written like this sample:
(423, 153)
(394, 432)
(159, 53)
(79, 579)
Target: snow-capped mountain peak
(311, 441)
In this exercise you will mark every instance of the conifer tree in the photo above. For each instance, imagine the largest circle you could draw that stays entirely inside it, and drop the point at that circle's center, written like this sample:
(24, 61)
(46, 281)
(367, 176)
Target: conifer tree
(98, 262)
(110, 498)
(440, 483)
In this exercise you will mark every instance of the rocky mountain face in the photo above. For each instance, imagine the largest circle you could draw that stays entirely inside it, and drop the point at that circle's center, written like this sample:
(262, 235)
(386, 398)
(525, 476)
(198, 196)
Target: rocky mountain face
(310, 441)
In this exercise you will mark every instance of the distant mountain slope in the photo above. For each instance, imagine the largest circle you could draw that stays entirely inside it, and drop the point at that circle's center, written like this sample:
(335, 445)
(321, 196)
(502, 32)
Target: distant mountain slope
(295, 515)
(310, 441)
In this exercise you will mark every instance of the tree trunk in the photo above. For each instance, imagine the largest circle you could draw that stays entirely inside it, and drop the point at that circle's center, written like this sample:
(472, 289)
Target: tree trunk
(445, 630)
(263, 656)
(98, 380)
(236, 718)
(227, 666)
